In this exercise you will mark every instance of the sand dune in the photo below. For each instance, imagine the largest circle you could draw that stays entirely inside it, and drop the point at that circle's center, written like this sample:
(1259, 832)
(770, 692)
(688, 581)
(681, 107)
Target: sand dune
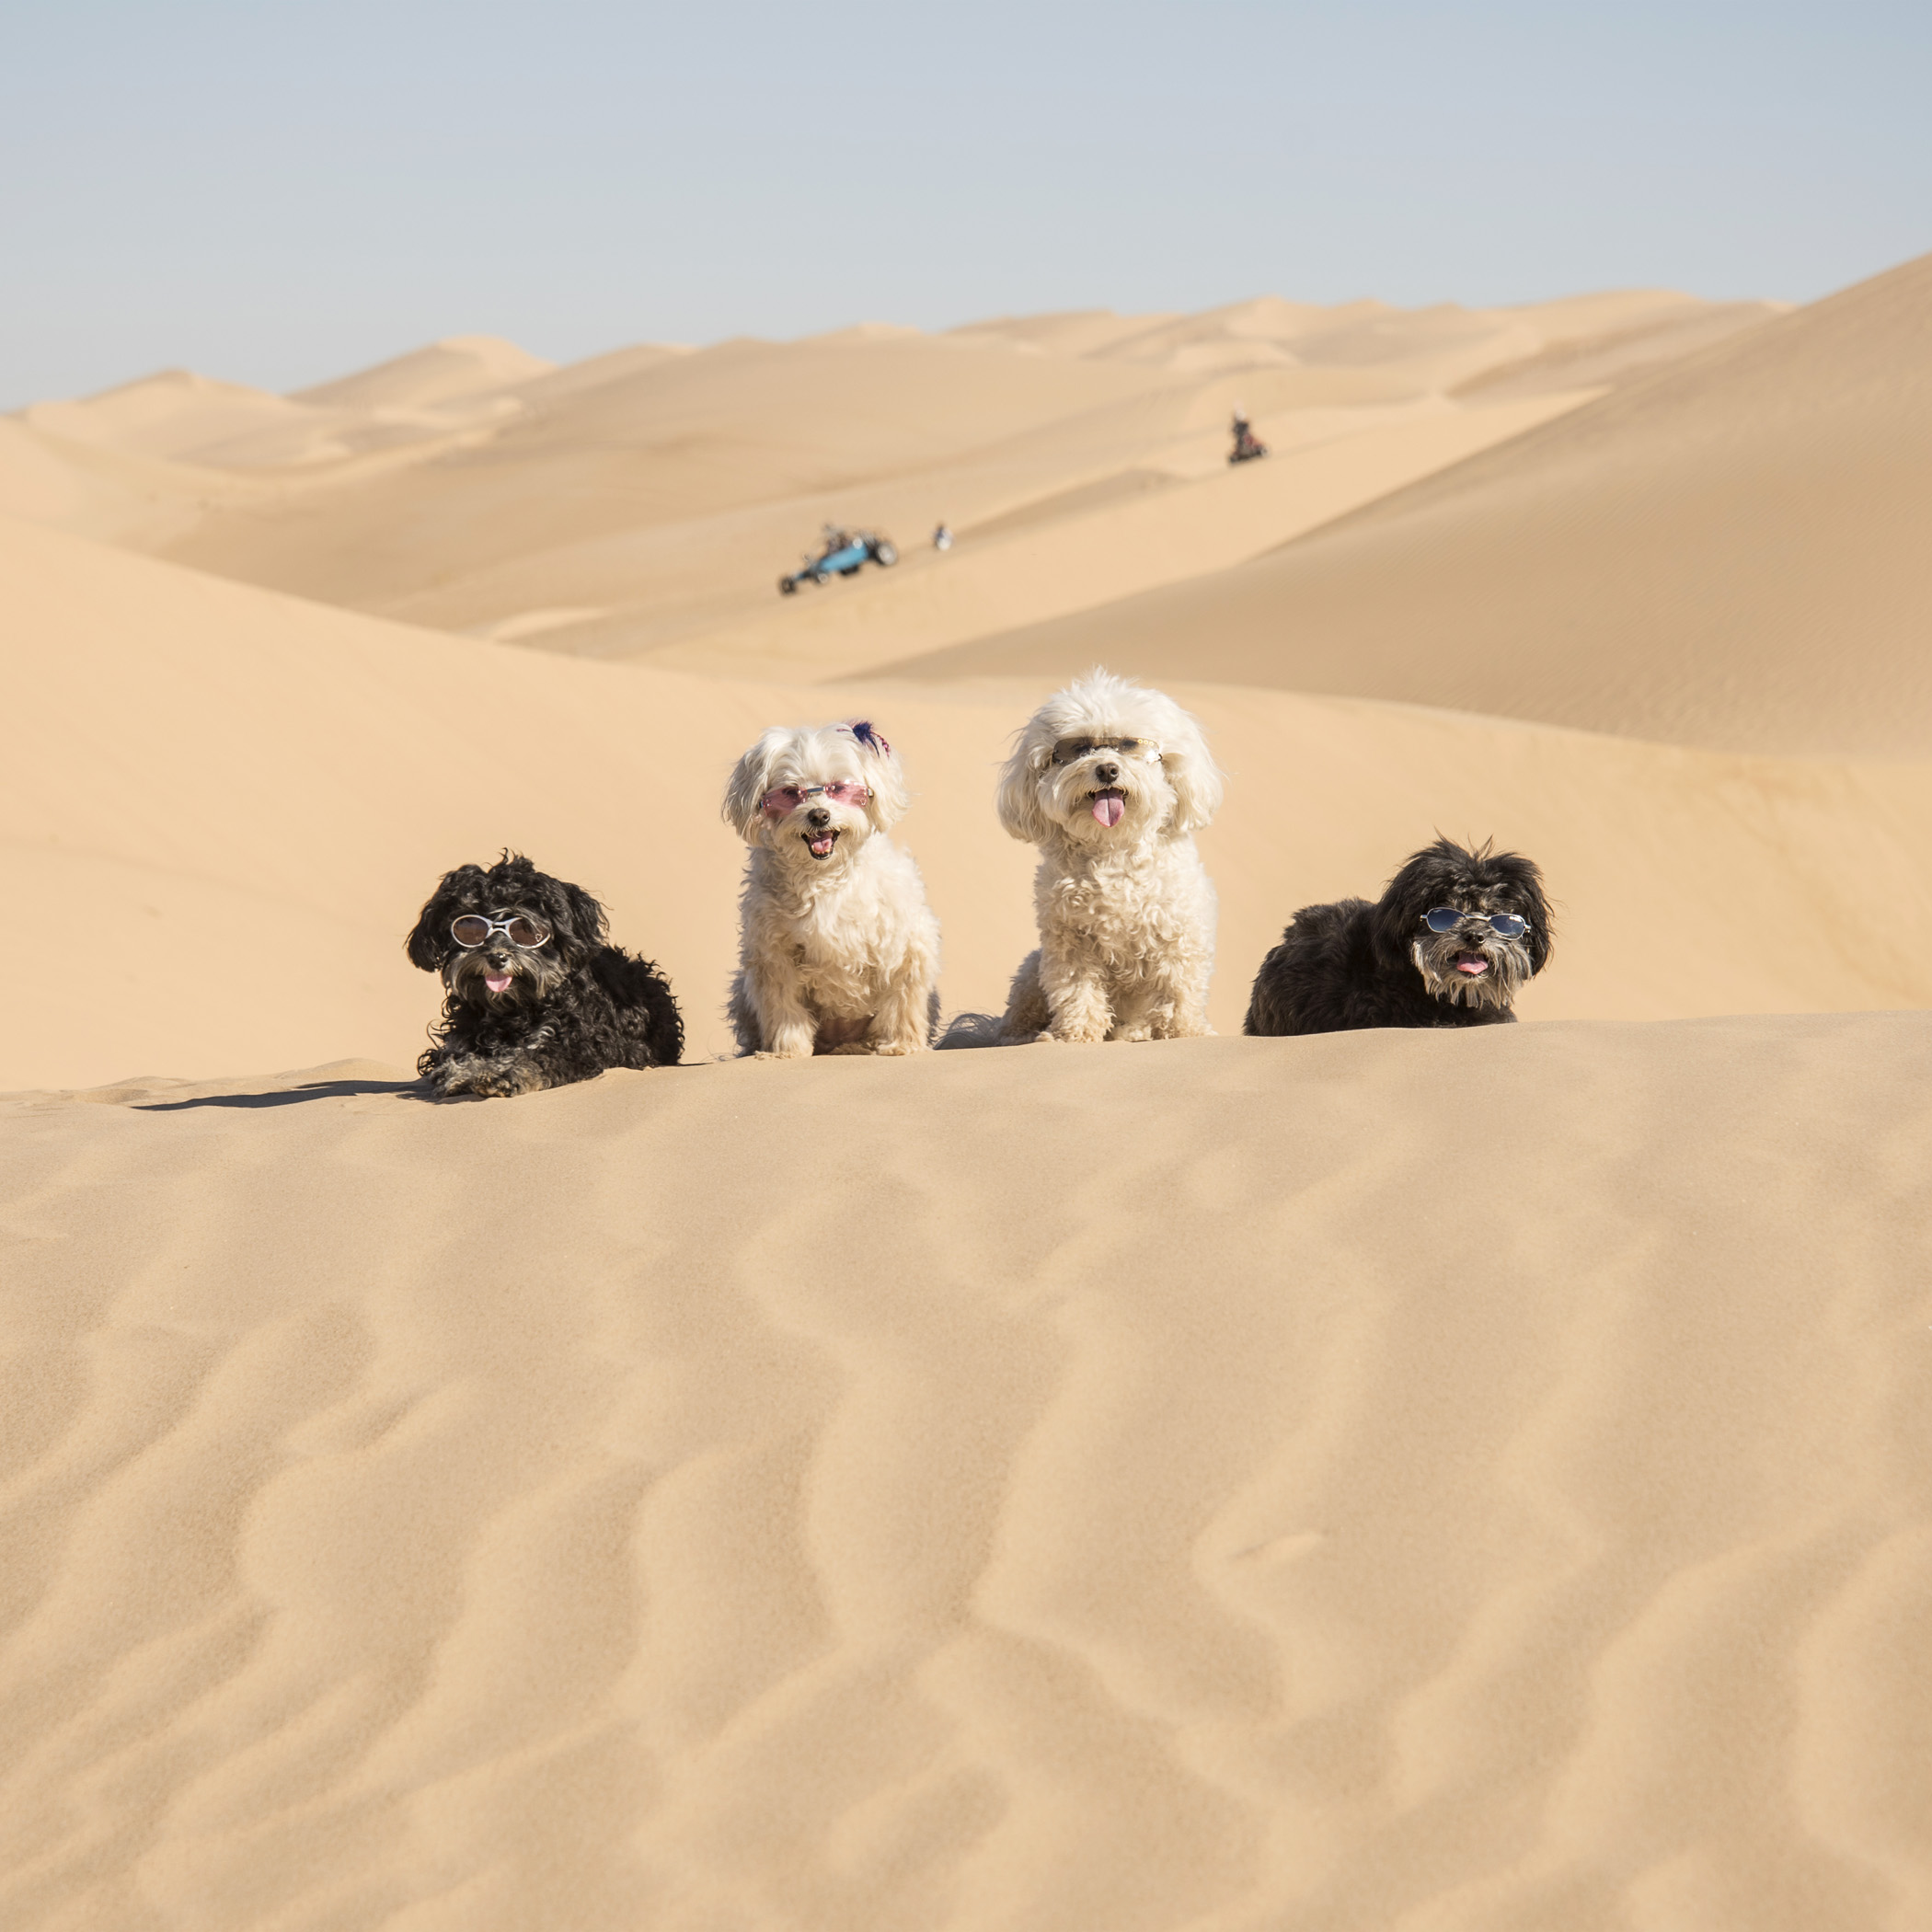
(1060, 557)
(149, 460)
(175, 414)
(653, 495)
(454, 369)
(1388, 1482)
(543, 1514)
(230, 805)
(90, 489)
(1731, 553)
(1433, 349)
(415, 398)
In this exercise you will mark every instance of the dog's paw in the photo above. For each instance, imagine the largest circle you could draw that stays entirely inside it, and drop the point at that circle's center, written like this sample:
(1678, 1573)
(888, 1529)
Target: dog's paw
(449, 1079)
(505, 1086)
(897, 1049)
(483, 1079)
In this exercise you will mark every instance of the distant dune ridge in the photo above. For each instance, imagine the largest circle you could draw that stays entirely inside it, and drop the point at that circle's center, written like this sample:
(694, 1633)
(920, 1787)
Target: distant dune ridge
(1386, 1483)
(1731, 552)
(652, 497)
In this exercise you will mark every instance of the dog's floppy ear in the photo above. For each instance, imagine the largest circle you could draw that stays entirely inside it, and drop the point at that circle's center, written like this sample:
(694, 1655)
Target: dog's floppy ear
(424, 948)
(1196, 779)
(1525, 880)
(429, 943)
(1542, 942)
(1017, 799)
(744, 808)
(577, 921)
(1424, 879)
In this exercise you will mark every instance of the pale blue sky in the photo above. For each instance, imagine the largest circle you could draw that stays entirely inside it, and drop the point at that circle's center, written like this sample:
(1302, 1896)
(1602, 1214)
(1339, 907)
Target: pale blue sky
(278, 191)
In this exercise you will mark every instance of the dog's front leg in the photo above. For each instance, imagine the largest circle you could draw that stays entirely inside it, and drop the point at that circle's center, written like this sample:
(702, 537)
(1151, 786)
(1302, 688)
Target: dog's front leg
(1141, 1010)
(1075, 994)
(904, 1018)
(786, 1027)
(1178, 1010)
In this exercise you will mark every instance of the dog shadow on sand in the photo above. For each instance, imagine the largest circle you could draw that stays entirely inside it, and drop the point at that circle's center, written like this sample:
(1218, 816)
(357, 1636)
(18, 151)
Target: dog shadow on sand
(294, 1096)
(965, 1031)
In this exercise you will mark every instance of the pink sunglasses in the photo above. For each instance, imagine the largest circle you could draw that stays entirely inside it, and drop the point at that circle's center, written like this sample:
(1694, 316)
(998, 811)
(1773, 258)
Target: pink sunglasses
(783, 798)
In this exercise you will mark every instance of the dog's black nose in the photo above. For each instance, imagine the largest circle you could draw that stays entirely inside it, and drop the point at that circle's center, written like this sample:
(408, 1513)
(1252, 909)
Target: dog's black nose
(818, 815)
(1107, 774)
(496, 956)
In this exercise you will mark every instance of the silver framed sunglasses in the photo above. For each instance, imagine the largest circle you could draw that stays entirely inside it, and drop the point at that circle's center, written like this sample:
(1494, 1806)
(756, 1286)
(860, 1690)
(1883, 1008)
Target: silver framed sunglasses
(473, 930)
(1447, 918)
(1070, 751)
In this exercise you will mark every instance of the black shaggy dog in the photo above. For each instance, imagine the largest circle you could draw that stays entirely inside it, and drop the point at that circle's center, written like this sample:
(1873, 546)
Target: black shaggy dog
(1449, 944)
(535, 997)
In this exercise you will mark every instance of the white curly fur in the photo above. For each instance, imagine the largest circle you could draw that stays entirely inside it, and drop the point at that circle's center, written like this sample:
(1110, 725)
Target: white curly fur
(1126, 911)
(838, 954)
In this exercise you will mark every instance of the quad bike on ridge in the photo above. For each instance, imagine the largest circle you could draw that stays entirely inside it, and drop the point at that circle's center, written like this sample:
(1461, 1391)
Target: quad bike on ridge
(1248, 445)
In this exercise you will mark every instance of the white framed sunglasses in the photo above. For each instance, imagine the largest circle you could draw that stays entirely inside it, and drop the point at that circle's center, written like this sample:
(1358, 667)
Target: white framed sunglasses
(473, 930)
(1447, 918)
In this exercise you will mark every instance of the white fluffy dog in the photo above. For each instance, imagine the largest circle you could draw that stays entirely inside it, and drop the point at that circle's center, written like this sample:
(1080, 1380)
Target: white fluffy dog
(838, 951)
(1110, 780)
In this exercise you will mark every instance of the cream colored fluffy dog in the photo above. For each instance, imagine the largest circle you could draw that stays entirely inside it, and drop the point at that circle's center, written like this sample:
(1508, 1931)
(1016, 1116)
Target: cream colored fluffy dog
(1109, 780)
(838, 951)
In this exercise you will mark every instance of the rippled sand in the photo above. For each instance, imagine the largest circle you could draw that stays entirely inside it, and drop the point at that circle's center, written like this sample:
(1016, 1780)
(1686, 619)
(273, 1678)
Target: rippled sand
(1376, 1481)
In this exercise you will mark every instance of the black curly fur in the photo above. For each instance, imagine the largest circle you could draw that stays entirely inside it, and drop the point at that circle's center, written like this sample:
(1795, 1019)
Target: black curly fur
(574, 1005)
(1353, 964)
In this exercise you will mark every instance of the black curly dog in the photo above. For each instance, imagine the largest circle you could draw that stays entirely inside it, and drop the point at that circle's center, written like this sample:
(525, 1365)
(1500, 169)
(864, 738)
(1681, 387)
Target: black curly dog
(1353, 964)
(544, 999)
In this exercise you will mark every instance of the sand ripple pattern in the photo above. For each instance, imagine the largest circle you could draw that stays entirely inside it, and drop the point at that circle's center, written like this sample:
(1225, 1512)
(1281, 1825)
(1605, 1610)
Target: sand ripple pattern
(1387, 1481)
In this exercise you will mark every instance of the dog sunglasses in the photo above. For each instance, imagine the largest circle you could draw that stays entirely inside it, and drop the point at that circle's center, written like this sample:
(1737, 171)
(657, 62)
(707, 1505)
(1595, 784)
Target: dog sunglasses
(473, 930)
(783, 798)
(1445, 919)
(1070, 751)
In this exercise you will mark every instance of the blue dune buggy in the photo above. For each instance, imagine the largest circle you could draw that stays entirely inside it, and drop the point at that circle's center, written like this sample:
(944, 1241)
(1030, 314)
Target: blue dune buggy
(842, 553)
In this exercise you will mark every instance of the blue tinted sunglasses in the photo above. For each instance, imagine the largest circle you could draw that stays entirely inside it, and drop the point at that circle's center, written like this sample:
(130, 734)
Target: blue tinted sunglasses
(1445, 919)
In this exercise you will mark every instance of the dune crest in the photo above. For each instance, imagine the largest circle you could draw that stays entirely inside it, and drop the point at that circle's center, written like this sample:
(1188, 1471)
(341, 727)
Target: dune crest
(457, 366)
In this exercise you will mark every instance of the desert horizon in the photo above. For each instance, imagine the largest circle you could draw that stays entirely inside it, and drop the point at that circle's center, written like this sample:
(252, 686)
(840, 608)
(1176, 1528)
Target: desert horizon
(1454, 1480)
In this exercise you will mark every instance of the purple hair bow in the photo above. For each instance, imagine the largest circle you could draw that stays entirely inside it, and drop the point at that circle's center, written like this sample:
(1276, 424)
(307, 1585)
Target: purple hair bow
(870, 736)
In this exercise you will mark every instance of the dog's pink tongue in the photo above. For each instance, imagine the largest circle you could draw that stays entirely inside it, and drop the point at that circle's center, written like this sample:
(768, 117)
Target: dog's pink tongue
(1108, 808)
(497, 982)
(1472, 967)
